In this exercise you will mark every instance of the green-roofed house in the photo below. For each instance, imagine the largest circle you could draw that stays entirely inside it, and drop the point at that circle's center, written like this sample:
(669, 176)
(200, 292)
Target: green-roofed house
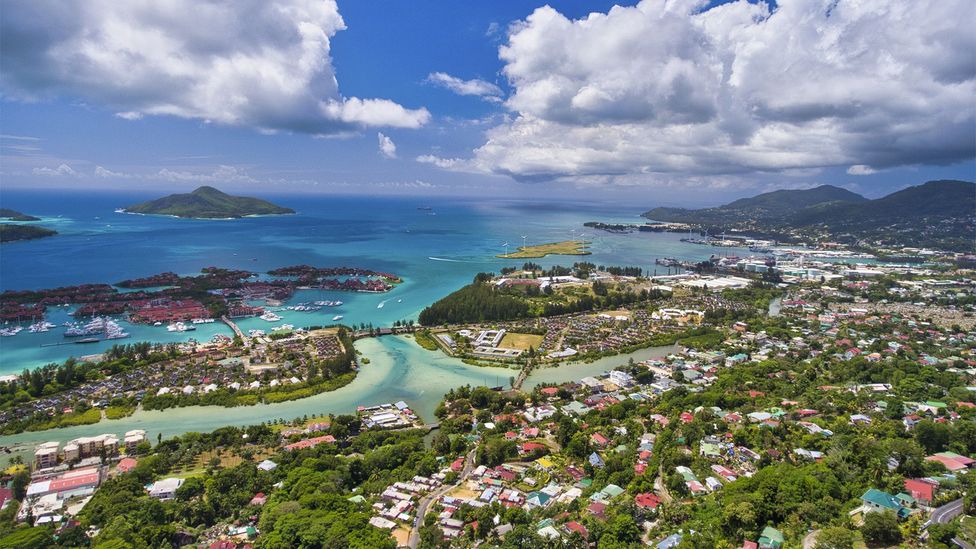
(770, 538)
(611, 491)
(710, 450)
(875, 500)
(905, 500)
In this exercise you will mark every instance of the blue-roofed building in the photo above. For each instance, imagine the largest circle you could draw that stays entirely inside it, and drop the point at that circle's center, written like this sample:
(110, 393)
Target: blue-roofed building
(669, 542)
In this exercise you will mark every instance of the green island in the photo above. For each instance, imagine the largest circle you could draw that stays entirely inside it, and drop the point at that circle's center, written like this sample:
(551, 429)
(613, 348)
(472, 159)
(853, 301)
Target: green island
(208, 203)
(14, 215)
(567, 247)
(10, 232)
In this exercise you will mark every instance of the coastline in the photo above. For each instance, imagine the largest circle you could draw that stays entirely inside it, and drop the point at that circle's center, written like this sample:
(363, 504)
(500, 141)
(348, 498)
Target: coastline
(398, 369)
(124, 211)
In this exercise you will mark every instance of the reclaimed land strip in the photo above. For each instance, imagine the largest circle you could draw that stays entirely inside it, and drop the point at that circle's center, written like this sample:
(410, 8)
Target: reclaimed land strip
(568, 247)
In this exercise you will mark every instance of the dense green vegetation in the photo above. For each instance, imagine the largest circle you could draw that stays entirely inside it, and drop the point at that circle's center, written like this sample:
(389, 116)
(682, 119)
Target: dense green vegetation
(310, 510)
(476, 302)
(14, 215)
(766, 206)
(208, 203)
(10, 232)
(483, 301)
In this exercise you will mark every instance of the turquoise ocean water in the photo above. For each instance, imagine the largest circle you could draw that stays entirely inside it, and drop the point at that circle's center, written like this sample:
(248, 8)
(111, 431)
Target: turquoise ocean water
(436, 251)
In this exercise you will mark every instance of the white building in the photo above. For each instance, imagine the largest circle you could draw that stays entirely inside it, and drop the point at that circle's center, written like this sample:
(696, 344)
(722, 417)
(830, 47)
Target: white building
(166, 488)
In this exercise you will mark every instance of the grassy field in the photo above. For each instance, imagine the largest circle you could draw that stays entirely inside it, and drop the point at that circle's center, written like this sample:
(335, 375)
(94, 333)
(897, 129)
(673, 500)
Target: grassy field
(967, 527)
(520, 341)
(228, 458)
(568, 247)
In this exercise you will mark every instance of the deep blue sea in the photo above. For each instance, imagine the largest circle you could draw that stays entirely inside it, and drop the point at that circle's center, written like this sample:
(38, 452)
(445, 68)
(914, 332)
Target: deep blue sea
(435, 250)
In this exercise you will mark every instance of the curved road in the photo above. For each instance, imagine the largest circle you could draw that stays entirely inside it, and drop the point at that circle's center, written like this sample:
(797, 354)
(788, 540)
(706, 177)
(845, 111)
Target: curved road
(435, 495)
(945, 514)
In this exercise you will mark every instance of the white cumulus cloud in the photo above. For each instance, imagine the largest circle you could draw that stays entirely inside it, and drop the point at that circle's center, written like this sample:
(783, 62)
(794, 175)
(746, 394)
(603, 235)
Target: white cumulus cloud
(240, 62)
(861, 169)
(671, 87)
(221, 174)
(387, 146)
(61, 170)
(477, 87)
(105, 172)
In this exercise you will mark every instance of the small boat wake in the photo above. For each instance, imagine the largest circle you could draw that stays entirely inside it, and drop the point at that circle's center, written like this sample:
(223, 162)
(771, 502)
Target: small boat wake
(382, 303)
(448, 260)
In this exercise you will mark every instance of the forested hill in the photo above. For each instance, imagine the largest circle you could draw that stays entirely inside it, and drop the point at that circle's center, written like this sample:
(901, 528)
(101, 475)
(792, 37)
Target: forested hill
(14, 215)
(10, 232)
(936, 214)
(208, 203)
(768, 206)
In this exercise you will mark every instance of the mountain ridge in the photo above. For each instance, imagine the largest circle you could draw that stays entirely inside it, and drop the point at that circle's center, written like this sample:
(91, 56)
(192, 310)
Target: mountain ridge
(939, 213)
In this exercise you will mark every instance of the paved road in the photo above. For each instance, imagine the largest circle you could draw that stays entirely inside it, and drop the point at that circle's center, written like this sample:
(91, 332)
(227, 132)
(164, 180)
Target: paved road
(945, 514)
(660, 487)
(435, 495)
(810, 540)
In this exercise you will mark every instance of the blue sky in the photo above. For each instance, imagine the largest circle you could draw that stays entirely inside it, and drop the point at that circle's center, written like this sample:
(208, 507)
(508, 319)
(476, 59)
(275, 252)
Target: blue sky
(662, 102)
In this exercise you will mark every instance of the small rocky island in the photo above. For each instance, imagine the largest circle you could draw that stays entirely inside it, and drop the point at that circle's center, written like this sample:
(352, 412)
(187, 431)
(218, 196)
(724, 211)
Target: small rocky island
(208, 203)
(10, 232)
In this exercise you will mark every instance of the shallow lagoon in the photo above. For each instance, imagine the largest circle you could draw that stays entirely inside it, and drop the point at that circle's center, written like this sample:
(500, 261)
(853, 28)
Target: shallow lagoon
(398, 370)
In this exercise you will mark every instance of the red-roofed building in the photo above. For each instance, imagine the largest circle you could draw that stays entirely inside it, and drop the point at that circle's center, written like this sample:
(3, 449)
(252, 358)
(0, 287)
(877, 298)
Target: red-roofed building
(458, 465)
(687, 417)
(647, 501)
(577, 474)
(921, 489)
(549, 391)
(310, 442)
(65, 484)
(125, 465)
(259, 499)
(599, 439)
(952, 462)
(505, 474)
(529, 447)
(749, 545)
(598, 510)
(573, 526)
